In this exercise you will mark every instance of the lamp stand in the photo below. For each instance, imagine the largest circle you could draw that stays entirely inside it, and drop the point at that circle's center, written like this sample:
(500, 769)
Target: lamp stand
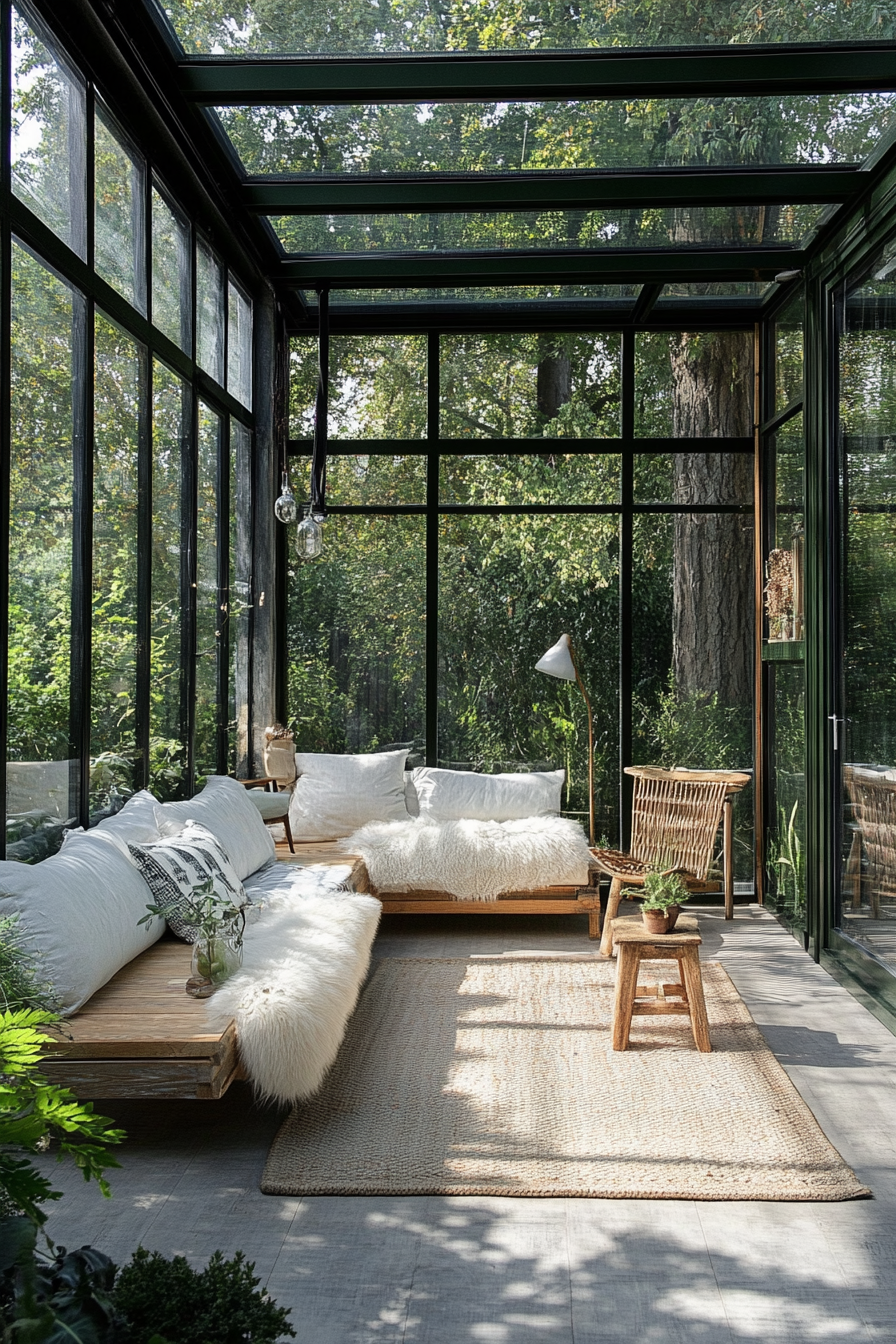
(581, 686)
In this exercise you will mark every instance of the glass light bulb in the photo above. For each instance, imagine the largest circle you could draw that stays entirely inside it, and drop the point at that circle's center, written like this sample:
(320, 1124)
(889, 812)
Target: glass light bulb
(286, 510)
(309, 538)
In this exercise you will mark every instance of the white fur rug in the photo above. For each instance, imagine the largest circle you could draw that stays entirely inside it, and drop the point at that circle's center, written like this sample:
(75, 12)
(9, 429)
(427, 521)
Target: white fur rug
(472, 860)
(304, 962)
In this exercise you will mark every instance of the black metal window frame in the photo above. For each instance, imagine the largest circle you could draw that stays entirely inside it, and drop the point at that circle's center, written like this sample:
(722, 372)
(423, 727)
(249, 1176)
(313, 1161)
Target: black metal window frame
(627, 446)
(93, 294)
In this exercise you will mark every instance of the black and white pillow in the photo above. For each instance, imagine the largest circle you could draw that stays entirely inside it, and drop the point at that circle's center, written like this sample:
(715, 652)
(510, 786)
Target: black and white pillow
(173, 868)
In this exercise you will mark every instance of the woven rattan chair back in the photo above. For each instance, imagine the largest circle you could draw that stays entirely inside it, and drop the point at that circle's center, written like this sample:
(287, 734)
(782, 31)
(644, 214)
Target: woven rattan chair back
(675, 821)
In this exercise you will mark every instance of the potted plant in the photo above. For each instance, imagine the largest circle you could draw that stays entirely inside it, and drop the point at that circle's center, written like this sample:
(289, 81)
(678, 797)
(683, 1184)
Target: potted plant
(218, 939)
(663, 895)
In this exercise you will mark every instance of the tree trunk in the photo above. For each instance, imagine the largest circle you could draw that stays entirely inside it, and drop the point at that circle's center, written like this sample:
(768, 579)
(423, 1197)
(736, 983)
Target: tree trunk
(712, 568)
(553, 387)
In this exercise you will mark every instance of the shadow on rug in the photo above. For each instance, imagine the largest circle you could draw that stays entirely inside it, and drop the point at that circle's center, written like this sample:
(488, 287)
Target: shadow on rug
(496, 1076)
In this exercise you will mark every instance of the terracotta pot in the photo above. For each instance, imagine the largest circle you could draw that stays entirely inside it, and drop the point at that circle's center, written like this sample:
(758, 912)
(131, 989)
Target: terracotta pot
(661, 921)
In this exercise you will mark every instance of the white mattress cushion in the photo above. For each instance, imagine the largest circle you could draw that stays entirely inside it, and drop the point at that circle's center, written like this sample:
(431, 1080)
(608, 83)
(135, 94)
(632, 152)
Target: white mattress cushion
(222, 807)
(458, 795)
(78, 912)
(334, 795)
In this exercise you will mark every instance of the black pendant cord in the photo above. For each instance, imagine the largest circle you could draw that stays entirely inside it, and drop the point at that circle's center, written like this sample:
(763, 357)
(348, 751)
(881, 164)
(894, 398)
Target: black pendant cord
(319, 449)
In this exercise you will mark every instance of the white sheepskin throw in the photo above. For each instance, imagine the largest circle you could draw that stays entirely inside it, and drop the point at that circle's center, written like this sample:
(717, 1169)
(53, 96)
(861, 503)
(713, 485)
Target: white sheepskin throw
(472, 860)
(304, 962)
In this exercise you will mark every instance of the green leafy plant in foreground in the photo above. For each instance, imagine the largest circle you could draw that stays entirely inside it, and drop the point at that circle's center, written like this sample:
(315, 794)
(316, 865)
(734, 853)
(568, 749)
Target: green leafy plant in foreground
(21, 983)
(220, 1304)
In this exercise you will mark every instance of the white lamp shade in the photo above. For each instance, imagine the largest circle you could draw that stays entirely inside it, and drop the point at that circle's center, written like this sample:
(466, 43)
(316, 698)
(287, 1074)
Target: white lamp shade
(557, 662)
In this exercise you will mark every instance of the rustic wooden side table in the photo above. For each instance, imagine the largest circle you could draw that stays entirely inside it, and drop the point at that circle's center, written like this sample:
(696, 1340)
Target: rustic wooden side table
(635, 944)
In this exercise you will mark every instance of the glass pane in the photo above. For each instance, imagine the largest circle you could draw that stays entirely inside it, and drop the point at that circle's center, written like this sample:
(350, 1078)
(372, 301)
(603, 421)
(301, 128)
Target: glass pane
(789, 355)
(785, 459)
(564, 230)
(49, 159)
(172, 301)
(508, 588)
(119, 244)
(545, 478)
(786, 866)
(363, 479)
(41, 790)
(239, 346)
(239, 604)
(534, 386)
(507, 137)
(493, 294)
(693, 478)
(208, 615)
(716, 289)
(868, 597)
(116, 446)
(395, 26)
(168, 654)
(210, 313)
(692, 651)
(694, 385)
(356, 635)
(377, 387)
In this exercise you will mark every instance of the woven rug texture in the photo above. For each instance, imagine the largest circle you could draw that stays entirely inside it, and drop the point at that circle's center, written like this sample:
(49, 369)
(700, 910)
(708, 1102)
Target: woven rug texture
(496, 1076)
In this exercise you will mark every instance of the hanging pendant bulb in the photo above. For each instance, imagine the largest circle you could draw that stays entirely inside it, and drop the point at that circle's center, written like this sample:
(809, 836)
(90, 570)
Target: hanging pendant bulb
(309, 536)
(286, 510)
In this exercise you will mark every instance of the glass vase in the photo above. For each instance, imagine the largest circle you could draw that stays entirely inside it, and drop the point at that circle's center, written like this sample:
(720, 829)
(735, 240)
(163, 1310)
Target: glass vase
(214, 959)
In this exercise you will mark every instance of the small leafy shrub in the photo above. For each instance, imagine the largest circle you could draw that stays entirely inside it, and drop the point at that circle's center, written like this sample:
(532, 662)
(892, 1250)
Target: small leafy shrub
(660, 890)
(220, 1304)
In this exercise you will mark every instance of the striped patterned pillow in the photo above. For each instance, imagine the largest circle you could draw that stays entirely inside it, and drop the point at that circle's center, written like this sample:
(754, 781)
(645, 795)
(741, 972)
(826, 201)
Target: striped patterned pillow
(173, 868)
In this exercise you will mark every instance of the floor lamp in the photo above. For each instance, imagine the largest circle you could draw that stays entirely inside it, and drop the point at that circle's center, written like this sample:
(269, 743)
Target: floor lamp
(560, 662)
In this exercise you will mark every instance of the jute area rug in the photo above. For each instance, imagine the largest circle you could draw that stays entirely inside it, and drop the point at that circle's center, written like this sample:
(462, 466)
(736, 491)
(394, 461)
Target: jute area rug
(495, 1076)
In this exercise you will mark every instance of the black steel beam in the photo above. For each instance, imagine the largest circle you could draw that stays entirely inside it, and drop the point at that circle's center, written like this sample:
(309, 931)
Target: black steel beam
(580, 267)
(445, 193)
(728, 71)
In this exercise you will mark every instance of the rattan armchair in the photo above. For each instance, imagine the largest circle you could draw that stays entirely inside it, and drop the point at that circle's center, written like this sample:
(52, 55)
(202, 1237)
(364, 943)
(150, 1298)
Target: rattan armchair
(676, 816)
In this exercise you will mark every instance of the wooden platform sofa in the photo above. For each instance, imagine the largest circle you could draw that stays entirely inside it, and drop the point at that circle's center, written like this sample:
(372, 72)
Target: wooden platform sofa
(130, 1029)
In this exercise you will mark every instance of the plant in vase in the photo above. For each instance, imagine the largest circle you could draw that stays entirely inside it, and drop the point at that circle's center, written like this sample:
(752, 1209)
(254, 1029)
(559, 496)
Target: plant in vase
(663, 894)
(218, 936)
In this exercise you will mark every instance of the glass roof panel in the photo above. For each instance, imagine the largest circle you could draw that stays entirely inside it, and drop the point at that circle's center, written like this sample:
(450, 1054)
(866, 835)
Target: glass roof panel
(507, 137)
(557, 230)
(495, 294)
(379, 26)
(725, 289)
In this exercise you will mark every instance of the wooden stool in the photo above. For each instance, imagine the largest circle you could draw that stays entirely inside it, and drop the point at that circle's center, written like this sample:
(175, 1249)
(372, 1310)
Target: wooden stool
(635, 944)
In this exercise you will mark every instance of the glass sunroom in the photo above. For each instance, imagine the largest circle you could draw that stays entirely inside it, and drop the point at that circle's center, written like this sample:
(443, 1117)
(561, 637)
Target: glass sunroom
(604, 304)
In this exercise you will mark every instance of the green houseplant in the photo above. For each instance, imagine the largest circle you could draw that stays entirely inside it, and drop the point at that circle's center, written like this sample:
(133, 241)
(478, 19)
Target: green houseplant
(663, 894)
(218, 945)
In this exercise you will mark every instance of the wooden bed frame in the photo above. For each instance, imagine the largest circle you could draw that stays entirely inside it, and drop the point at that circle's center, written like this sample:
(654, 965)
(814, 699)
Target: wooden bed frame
(142, 1036)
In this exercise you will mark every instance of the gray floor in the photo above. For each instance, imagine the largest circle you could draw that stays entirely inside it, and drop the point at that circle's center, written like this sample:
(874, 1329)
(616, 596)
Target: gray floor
(438, 1270)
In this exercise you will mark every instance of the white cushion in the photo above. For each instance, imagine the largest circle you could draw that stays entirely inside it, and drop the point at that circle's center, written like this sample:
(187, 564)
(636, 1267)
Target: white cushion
(79, 911)
(412, 802)
(271, 806)
(136, 823)
(456, 795)
(173, 868)
(334, 795)
(223, 807)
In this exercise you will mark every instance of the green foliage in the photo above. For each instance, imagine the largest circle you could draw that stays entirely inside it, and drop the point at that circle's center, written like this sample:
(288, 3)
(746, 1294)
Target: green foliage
(205, 910)
(220, 1304)
(694, 731)
(63, 1298)
(34, 1112)
(787, 863)
(21, 982)
(660, 890)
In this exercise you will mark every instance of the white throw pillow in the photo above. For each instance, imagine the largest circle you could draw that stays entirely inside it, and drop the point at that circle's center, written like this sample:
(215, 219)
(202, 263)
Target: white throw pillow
(136, 823)
(456, 795)
(334, 795)
(223, 807)
(173, 868)
(78, 912)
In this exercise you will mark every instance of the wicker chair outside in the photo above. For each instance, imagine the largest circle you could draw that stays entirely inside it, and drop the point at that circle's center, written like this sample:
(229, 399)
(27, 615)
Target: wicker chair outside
(872, 795)
(676, 816)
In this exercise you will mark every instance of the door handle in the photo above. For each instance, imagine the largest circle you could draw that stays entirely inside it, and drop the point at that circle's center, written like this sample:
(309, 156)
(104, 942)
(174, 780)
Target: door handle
(835, 720)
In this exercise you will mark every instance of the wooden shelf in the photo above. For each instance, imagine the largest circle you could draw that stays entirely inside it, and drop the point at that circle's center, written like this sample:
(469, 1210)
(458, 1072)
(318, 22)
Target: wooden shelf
(783, 650)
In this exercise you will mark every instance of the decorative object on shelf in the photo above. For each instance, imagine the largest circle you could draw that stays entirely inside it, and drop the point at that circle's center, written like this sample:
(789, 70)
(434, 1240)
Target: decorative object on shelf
(664, 893)
(560, 661)
(218, 941)
(779, 594)
(286, 510)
